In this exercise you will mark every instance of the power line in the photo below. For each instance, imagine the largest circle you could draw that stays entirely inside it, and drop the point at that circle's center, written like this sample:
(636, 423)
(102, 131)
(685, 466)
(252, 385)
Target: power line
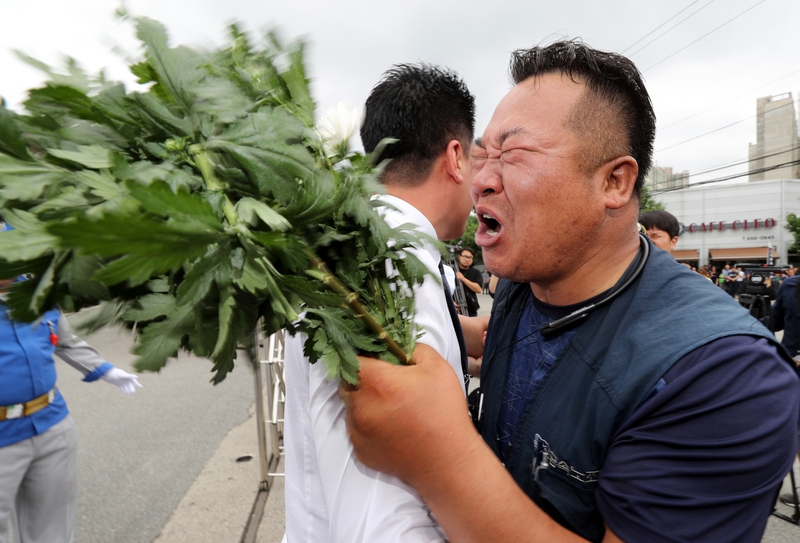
(669, 29)
(703, 36)
(732, 164)
(728, 101)
(733, 176)
(720, 128)
(662, 24)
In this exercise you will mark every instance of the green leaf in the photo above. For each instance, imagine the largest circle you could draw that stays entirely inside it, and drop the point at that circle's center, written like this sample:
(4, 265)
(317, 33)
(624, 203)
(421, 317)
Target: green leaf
(265, 146)
(75, 76)
(25, 181)
(11, 140)
(177, 70)
(91, 156)
(159, 199)
(116, 234)
(150, 307)
(77, 274)
(225, 349)
(146, 172)
(113, 104)
(19, 299)
(253, 275)
(70, 197)
(137, 269)
(11, 270)
(161, 340)
(250, 208)
(159, 116)
(29, 239)
(297, 83)
(159, 284)
(44, 286)
(101, 184)
(87, 322)
(214, 266)
(60, 100)
(288, 250)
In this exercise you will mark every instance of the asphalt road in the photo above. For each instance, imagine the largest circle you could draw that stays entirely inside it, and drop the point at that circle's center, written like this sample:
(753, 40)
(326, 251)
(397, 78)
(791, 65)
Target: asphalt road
(139, 454)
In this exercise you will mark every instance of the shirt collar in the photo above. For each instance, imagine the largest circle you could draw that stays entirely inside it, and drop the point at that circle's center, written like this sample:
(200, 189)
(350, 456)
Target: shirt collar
(414, 216)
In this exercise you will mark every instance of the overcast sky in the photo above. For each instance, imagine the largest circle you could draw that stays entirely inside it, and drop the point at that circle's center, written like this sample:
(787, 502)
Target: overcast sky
(744, 49)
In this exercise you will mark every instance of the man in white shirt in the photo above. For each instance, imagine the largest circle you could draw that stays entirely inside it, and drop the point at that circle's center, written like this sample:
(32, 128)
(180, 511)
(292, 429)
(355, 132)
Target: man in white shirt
(330, 495)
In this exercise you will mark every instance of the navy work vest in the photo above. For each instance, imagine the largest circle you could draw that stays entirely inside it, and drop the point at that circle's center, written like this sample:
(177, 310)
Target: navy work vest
(611, 363)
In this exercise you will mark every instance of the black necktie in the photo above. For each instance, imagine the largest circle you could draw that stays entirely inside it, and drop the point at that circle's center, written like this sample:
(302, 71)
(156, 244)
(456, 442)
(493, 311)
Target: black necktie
(451, 307)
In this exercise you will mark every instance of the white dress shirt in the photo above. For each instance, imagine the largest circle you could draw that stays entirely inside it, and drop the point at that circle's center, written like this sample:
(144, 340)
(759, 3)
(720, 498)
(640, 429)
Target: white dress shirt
(330, 496)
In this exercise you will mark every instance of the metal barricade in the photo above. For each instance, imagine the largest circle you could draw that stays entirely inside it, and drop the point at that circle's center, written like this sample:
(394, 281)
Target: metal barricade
(270, 395)
(270, 389)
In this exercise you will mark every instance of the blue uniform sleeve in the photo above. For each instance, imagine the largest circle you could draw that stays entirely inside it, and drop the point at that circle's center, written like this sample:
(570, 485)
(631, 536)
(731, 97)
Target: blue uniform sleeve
(702, 460)
(98, 372)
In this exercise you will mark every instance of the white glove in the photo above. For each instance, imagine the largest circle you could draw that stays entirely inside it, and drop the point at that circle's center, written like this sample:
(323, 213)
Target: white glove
(127, 382)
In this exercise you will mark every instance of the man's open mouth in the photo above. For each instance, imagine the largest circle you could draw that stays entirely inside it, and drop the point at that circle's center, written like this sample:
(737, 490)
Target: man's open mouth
(492, 226)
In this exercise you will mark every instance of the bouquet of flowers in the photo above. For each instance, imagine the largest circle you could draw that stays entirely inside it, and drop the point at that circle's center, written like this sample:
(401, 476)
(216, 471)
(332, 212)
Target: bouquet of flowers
(200, 209)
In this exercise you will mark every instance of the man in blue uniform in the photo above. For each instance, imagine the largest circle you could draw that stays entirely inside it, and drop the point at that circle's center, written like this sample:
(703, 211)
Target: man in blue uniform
(626, 398)
(38, 441)
(784, 314)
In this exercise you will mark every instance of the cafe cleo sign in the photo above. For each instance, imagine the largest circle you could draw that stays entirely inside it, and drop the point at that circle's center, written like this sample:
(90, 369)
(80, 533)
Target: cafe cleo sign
(751, 229)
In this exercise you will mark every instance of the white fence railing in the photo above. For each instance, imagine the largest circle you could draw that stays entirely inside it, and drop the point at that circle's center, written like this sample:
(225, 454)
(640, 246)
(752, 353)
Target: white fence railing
(270, 392)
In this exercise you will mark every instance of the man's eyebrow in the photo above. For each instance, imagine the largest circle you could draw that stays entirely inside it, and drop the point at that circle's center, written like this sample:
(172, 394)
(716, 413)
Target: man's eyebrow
(508, 132)
(479, 142)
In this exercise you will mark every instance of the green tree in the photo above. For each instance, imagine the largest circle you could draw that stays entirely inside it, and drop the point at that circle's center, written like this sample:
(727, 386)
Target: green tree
(793, 226)
(467, 239)
(647, 202)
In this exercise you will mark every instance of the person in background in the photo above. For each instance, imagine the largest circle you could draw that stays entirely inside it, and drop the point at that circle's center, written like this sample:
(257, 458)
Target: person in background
(784, 315)
(38, 440)
(662, 228)
(738, 280)
(493, 285)
(471, 279)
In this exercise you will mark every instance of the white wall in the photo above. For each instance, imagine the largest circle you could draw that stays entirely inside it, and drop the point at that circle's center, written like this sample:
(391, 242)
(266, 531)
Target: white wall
(740, 202)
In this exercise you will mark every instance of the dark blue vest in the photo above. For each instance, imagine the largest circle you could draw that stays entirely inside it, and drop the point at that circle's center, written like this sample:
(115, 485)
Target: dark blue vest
(614, 359)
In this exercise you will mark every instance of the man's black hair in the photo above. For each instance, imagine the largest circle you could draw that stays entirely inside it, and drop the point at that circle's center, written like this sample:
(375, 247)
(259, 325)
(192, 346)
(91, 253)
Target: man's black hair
(423, 107)
(616, 97)
(663, 220)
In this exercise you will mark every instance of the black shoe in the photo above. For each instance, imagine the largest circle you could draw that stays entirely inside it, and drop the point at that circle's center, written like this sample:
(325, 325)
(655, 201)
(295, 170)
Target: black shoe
(788, 499)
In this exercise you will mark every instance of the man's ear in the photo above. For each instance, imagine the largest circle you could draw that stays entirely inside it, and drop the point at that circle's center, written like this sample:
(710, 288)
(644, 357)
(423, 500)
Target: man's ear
(620, 177)
(455, 157)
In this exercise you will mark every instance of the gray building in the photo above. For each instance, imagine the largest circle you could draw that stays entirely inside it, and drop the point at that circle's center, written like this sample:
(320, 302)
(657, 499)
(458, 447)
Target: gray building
(662, 178)
(734, 223)
(775, 154)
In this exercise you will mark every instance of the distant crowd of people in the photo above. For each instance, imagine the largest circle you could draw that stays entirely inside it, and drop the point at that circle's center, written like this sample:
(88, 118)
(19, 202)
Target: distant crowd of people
(732, 278)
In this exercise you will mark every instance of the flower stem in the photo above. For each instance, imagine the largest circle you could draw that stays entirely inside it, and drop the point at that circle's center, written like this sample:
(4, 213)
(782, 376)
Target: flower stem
(213, 182)
(361, 312)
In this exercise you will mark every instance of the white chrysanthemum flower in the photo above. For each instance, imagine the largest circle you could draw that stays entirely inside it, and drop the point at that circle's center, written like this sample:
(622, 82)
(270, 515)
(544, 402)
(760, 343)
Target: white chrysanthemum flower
(338, 125)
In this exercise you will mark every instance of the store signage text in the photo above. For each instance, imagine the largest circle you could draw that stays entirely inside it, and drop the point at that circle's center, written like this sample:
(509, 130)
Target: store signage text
(718, 226)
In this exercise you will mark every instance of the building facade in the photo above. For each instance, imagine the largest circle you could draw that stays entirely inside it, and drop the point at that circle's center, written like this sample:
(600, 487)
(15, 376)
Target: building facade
(729, 224)
(662, 178)
(776, 151)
